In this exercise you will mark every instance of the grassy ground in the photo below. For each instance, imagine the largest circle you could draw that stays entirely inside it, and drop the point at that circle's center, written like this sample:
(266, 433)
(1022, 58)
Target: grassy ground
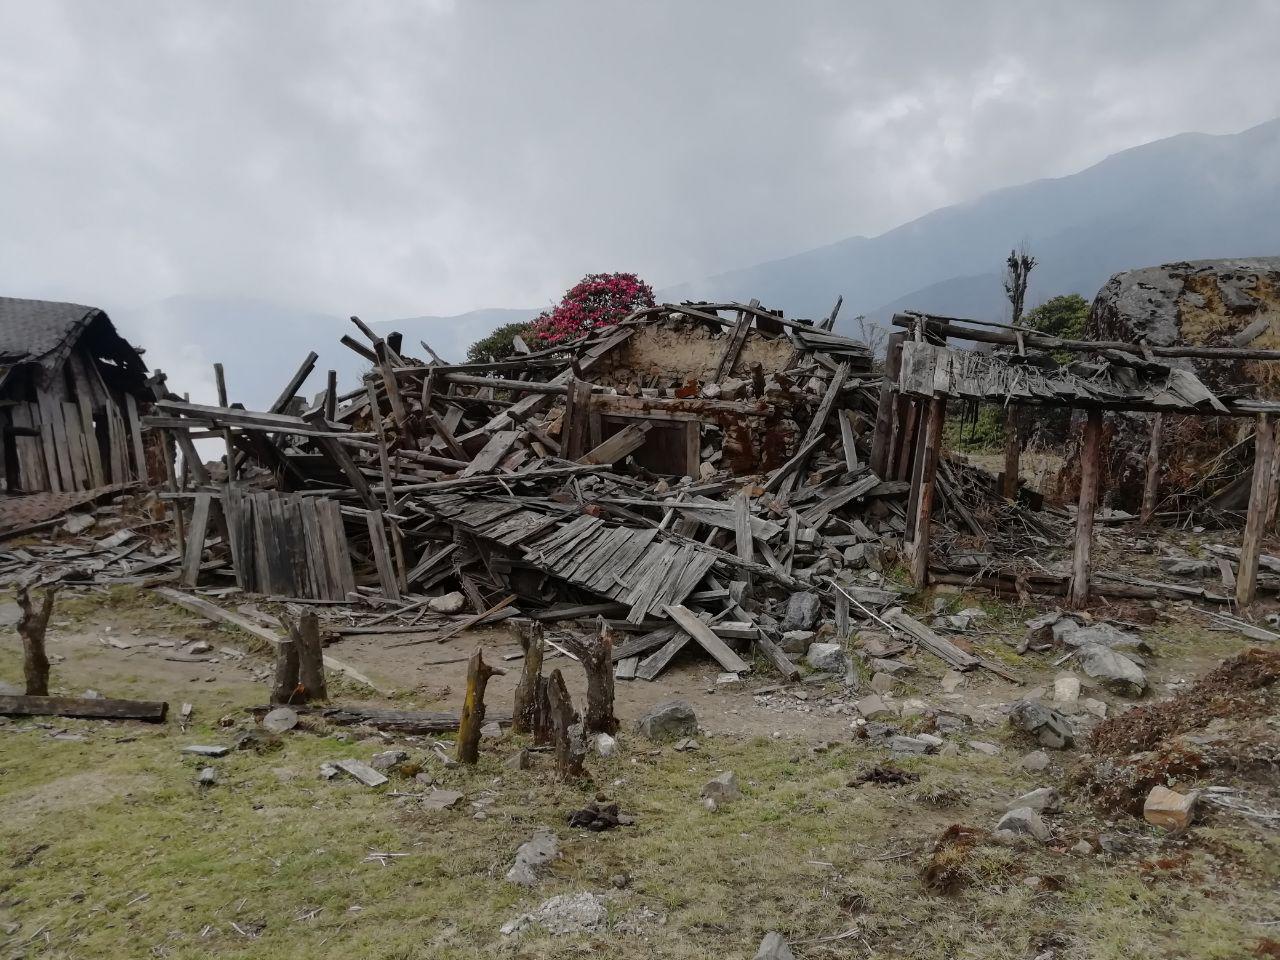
(113, 851)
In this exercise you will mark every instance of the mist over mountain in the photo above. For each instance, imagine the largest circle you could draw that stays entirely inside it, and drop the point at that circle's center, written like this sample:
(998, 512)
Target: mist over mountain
(1192, 196)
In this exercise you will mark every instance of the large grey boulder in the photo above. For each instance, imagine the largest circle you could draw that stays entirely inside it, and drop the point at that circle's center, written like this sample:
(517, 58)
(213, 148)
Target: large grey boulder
(1024, 821)
(826, 656)
(532, 856)
(1112, 669)
(669, 721)
(773, 947)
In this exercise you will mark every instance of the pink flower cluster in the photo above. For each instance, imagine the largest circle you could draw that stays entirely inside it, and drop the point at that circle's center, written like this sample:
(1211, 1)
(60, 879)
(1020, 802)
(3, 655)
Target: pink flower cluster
(598, 300)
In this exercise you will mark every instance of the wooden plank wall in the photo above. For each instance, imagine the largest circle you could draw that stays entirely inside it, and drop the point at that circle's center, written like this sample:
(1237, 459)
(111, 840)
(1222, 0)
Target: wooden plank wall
(288, 545)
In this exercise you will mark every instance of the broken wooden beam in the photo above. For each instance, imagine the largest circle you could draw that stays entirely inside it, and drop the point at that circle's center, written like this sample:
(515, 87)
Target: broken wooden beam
(84, 708)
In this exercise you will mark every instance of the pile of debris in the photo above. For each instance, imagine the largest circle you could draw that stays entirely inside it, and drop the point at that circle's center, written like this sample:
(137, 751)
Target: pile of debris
(698, 472)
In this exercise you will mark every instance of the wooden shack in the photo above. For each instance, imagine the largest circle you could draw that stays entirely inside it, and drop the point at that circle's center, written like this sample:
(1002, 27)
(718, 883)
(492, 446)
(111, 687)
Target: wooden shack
(71, 389)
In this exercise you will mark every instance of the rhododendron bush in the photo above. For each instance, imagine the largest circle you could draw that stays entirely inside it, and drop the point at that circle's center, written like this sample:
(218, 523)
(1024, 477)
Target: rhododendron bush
(598, 300)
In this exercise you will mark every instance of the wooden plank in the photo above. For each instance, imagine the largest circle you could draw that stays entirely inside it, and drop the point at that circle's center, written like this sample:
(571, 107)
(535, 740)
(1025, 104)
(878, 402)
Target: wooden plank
(212, 611)
(335, 544)
(195, 539)
(574, 425)
(656, 662)
(382, 555)
(1090, 455)
(322, 576)
(238, 509)
(84, 402)
(944, 649)
(819, 421)
(881, 444)
(87, 708)
(623, 443)
(75, 445)
(336, 453)
(1151, 485)
(923, 484)
(706, 638)
(775, 655)
(1255, 520)
(135, 434)
(848, 440)
(744, 544)
(291, 388)
(497, 447)
(57, 468)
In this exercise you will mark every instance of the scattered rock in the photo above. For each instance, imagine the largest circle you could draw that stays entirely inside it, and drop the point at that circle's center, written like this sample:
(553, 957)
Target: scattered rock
(872, 707)
(491, 730)
(200, 750)
(439, 799)
(280, 720)
(686, 744)
(606, 745)
(905, 744)
(207, 777)
(1084, 848)
(1049, 727)
(620, 881)
(532, 856)
(881, 683)
(1113, 669)
(1043, 800)
(197, 647)
(953, 681)
(1024, 821)
(723, 788)
(1095, 707)
(567, 913)
(796, 641)
(773, 947)
(518, 760)
(597, 817)
(892, 667)
(988, 749)
(803, 610)
(388, 759)
(1169, 809)
(826, 656)
(1036, 761)
(669, 720)
(77, 523)
(1066, 688)
(449, 603)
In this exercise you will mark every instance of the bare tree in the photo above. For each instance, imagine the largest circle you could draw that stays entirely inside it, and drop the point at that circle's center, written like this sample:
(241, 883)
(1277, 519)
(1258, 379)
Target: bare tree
(1017, 270)
(874, 335)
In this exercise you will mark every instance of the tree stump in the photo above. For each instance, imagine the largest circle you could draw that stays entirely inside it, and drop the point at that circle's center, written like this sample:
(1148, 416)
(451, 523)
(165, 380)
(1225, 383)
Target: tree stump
(525, 715)
(597, 660)
(31, 627)
(570, 744)
(472, 719)
(285, 688)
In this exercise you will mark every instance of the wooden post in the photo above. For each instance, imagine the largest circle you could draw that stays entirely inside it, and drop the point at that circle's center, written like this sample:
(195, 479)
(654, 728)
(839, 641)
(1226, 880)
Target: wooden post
(575, 425)
(1251, 545)
(570, 745)
(1151, 487)
(331, 397)
(527, 704)
(227, 436)
(1012, 451)
(881, 444)
(306, 635)
(1090, 467)
(1273, 494)
(32, 624)
(285, 687)
(922, 490)
(597, 660)
(472, 719)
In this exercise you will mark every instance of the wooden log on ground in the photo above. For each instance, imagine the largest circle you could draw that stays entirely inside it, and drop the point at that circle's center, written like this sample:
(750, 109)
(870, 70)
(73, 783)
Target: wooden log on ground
(32, 624)
(472, 719)
(1078, 593)
(596, 657)
(940, 647)
(570, 744)
(398, 721)
(776, 656)
(1151, 486)
(86, 708)
(285, 685)
(527, 703)
(1255, 520)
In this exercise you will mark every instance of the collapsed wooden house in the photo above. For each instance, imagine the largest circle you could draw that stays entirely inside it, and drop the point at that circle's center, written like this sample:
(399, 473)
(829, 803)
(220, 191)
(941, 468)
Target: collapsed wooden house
(72, 392)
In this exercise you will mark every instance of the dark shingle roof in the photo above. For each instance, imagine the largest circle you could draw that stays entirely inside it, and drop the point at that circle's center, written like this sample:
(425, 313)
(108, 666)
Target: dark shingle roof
(31, 330)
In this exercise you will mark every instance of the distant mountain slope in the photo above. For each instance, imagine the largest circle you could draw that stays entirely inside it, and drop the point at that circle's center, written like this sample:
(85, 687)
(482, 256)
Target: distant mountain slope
(1186, 197)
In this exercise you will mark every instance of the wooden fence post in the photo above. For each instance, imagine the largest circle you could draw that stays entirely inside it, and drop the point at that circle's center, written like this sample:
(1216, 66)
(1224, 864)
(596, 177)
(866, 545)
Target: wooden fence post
(527, 704)
(1251, 545)
(571, 746)
(1090, 466)
(31, 627)
(1151, 488)
(472, 719)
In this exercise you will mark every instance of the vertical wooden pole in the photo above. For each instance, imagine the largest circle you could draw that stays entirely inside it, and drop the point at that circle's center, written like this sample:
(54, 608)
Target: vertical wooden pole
(886, 423)
(1250, 547)
(1151, 488)
(1090, 466)
(1012, 451)
(923, 487)
(331, 397)
(596, 657)
(527, 704)
(570, 745)
(227, 436)
(285, 685)
(472, 719)
(310, 657)
(1273, 494)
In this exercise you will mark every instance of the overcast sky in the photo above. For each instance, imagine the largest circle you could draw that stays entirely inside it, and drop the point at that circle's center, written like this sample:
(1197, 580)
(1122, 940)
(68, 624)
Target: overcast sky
(394, 159)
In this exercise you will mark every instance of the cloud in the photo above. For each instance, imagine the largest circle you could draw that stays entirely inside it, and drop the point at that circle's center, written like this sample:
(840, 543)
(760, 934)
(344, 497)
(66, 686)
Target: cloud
(403, 158)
